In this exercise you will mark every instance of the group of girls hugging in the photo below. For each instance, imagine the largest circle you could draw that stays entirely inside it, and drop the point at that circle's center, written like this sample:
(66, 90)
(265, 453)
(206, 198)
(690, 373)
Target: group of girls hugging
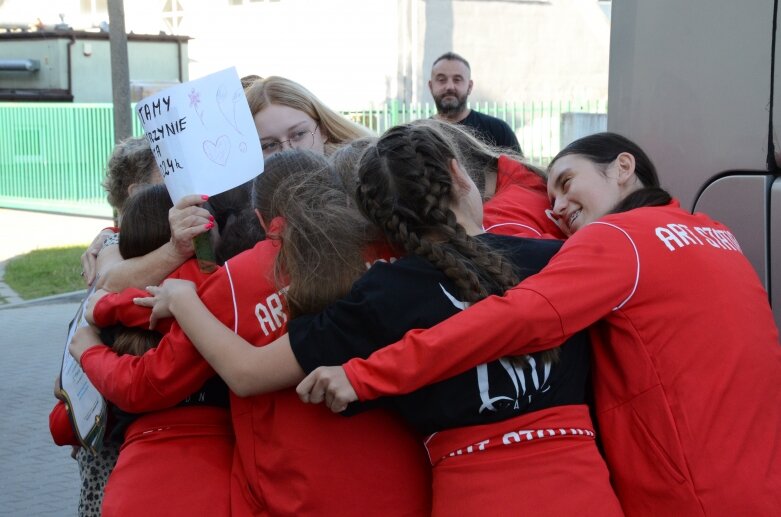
(501, 340)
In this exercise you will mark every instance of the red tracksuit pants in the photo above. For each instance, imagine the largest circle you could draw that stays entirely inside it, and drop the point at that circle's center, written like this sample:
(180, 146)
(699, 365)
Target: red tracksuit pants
(542, 463)
(173, 462)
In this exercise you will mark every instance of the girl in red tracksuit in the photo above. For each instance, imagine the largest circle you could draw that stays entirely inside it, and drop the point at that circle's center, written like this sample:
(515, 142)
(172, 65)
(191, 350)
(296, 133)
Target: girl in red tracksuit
(289, 459)
(530, 409)
(515, 199)
(175, 461)
(687, 358)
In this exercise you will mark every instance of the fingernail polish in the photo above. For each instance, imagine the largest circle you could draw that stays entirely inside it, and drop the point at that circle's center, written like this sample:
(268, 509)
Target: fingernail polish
(204, 197)
(209, 226)
(211, 218)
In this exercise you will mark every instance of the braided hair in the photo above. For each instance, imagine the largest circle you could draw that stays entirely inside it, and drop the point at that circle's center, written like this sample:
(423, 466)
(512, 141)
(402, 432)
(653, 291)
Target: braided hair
(406, 189)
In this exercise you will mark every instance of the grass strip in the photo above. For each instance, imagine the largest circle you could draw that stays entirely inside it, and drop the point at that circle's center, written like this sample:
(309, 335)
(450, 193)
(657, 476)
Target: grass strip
(46, 272)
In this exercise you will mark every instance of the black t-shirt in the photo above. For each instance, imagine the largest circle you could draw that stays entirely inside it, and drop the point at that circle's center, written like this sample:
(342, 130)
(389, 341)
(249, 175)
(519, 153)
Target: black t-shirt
(494, 130)
(391, 299)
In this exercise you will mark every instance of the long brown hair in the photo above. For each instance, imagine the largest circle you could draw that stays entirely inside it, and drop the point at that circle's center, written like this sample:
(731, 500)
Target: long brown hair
(144, 229)
(406, 188)
(479, 157)
(345, 162)
(145, 221)
(323, 236)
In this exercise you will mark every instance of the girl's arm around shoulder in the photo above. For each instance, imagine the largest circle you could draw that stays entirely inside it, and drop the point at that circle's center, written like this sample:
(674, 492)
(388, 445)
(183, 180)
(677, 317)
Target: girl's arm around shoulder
(355, 325)
(585, 281)
(596, 272)
(187, 220)
(247, 369)
(119, 308)
(161, 378)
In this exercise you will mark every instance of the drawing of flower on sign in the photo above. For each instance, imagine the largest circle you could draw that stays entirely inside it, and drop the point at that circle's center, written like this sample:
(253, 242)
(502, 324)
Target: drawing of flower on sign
(195, 100)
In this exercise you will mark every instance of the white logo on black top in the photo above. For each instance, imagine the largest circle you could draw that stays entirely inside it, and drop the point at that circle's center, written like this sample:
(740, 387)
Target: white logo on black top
(528, 376)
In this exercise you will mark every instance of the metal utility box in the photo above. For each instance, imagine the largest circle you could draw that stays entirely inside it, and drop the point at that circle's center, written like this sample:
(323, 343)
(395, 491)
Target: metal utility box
(75, 66)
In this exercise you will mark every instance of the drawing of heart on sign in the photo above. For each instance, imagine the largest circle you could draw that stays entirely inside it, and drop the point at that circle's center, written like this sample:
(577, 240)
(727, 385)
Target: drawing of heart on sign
(218, 152)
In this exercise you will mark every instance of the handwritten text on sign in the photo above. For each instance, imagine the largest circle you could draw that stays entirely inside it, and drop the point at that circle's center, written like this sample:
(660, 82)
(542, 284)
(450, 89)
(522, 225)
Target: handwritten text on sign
(202, 135)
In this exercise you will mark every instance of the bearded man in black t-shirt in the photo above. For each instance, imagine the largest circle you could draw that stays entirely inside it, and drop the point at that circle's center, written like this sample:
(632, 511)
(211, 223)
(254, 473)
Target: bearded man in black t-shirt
(450, 85)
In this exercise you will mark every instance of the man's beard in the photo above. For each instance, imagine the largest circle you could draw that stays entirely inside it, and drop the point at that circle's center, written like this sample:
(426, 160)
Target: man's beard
(450, 107)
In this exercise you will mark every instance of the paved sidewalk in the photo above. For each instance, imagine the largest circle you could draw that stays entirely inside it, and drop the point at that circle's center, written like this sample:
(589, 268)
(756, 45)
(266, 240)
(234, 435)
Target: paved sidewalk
(37, 478)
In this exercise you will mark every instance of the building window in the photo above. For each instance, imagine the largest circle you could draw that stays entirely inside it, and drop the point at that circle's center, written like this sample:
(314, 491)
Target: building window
(172, 15)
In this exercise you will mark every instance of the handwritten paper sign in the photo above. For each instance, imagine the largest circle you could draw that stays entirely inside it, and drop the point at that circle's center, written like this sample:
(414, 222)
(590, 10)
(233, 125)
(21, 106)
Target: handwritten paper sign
(202, 135)
(87, 408)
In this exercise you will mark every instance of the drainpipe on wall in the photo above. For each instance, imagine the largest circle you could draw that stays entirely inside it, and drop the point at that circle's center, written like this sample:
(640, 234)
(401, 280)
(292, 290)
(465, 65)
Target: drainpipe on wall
(179, 59)
(70, 71)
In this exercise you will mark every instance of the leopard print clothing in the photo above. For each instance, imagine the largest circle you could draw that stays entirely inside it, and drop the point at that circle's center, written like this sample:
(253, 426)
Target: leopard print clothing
(94, 471)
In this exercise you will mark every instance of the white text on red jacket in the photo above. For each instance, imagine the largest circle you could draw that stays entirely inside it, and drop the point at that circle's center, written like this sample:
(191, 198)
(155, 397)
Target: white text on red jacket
(271, 313)
(676, 236)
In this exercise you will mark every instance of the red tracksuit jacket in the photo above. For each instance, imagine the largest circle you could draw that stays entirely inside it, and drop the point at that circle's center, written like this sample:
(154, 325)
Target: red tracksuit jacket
(291, 458)
(687, 363)
(519, 205)
(166, 453)
(116, 308)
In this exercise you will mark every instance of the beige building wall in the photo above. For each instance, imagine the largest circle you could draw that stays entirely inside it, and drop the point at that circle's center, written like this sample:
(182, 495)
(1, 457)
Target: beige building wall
(355, 53)
(343, 50)
(520, 50)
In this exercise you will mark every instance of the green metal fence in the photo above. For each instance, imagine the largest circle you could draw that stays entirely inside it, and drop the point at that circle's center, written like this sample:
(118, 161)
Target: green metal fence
(535, 123)
(53, 155)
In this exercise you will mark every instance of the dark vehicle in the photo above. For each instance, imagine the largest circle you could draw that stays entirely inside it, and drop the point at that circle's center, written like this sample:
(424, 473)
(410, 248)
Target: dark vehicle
(694, 82)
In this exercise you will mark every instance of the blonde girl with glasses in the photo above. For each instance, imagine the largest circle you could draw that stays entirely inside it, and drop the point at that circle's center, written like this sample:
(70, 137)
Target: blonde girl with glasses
(287, 115)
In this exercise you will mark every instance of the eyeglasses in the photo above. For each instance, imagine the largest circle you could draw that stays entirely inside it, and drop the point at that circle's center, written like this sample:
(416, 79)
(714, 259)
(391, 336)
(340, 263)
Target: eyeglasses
(299, 139)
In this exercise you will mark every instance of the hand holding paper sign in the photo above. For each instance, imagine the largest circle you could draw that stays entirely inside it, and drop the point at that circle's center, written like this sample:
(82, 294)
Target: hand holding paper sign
(188, 219)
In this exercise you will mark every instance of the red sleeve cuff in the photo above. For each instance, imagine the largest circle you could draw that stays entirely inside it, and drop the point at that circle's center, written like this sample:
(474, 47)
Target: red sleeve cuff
(363, 391)
(87, 355)
(118, 308)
